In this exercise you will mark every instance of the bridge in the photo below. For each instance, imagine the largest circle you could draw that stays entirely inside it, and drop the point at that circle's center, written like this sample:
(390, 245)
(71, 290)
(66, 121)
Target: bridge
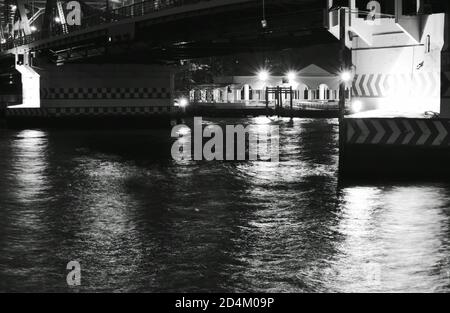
(38, 34)
(106, 39)
(171, 29)
(62, 58)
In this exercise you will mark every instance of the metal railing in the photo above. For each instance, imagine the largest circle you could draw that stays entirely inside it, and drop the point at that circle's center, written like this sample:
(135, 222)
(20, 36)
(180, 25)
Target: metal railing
(297, 104)
(106, 17)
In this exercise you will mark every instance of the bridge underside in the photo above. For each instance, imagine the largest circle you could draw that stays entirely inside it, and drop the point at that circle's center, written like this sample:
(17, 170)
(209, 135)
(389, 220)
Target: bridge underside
(234, 29)
(197, 29)
(232, 32)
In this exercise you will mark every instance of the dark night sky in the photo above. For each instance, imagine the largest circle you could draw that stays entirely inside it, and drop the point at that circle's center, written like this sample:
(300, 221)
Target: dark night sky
(325, 56)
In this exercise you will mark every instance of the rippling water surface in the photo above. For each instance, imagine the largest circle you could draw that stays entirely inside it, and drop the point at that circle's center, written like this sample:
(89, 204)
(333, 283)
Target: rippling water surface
(138, 221)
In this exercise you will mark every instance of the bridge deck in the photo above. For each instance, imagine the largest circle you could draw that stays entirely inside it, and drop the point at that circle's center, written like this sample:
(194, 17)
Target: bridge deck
(146, 13)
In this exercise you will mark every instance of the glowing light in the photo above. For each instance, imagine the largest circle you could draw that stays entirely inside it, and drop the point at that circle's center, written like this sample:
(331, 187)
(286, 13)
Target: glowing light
(264, 23)
(346, 76)
(183, 102)
(291, 76)
(57, 20)
(33, 28)
(13, 7)
(3, 40)
(263, 75)
(357, 106)
(184, 131)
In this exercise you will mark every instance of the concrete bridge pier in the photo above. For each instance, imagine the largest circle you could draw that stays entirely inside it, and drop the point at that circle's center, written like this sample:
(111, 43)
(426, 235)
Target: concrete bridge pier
(106, 86)
(75, 91)
(396, 54)
(400, 124)
(30, 80)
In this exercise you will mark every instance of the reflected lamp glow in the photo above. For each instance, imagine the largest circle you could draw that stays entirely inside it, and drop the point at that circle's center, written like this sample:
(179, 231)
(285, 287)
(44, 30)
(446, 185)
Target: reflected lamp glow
(184, 131)
(357, 106)
(33, 28)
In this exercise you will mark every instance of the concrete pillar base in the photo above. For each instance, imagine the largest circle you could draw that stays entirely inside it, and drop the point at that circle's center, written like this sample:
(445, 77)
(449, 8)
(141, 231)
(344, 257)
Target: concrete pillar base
(106, 85)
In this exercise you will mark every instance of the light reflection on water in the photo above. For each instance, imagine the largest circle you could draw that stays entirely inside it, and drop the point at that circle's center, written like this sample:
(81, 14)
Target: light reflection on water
(138, 221)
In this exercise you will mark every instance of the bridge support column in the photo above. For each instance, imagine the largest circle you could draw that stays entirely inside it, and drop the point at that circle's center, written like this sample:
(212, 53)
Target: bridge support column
(30, 81)
(107, 86)
(396, 57)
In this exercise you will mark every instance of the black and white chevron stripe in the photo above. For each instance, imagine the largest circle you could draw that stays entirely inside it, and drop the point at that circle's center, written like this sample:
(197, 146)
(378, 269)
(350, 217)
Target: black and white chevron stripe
(382, 85)
(404, 131)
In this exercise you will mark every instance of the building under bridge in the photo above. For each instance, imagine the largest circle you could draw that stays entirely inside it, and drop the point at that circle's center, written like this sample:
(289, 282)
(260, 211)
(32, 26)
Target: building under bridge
(311, 86)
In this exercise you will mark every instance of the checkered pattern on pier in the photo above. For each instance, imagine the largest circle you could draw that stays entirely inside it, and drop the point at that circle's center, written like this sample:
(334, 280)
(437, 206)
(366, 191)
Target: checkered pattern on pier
(105, 93)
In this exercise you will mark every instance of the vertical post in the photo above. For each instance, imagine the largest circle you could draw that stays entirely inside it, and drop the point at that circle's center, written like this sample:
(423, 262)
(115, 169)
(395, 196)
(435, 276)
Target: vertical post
(25, 24)
(292, 97)
(277, 101)
(267, 101)
(342, 60)
(50, 5)
(280, 94)
(445, 68)
(291, 100)
(108, 11)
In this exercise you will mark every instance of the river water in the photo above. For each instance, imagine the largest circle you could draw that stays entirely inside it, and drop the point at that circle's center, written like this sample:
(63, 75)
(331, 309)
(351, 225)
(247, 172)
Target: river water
(138, 221)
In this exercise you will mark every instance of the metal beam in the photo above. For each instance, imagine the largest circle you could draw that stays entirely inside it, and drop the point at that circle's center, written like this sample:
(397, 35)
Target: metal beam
(24, 23)
(49, 8)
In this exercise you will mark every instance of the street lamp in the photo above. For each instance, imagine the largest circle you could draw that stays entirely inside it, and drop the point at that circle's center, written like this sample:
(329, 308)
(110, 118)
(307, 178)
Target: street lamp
(183, 102)
(291, 76)
(264, 21)
(263, 75)
(346, 76)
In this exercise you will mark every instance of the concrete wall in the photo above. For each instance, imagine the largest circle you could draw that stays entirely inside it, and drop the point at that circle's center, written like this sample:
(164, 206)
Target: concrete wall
(445, 77)
(396, 73)
(125, 85)
(396, 58)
